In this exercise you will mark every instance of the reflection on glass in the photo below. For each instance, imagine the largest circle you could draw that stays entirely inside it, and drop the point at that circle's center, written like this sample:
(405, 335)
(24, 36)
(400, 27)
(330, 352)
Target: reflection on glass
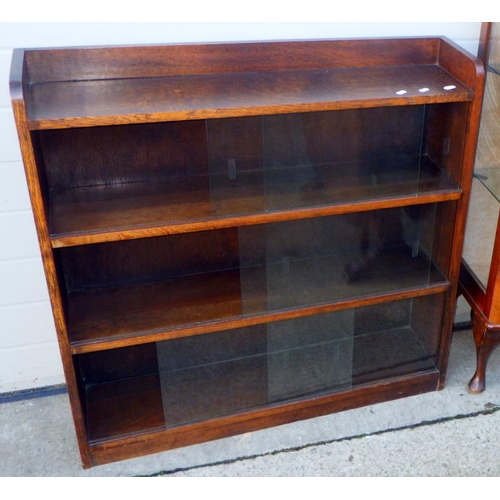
(483, 210)
(345, 156)
(310, 355)
(149, 387)
(227, 372)
(190, 279)
(482, 218)
(235, 161)
(305, 160)
(494, 54)
(490, 178)
(212, 169)
(326, 259)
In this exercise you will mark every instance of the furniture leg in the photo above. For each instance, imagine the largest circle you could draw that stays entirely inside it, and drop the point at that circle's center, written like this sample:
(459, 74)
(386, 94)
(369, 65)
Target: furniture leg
(486, 341)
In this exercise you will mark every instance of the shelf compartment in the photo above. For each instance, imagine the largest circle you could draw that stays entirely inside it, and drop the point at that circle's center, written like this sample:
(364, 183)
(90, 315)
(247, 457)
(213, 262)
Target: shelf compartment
(183, 381)
(242, 171)
(97, 214)
(185, 283)
(55, 105)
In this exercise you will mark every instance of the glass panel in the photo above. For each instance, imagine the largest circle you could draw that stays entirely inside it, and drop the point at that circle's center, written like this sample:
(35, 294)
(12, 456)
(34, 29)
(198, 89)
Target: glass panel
(175, 172)
(189, 279)
(397, 338)
(212, 375)
(218, 374)
(149, 387)
(235, 160)
(494, 53)
(222, 373)
(324, 158)
(487, 166)
(482, 217)
(310, 355)
(327, 259)
(306, 160)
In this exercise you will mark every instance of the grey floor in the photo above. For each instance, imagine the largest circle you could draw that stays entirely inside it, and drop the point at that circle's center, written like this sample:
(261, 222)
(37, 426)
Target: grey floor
(447, 433)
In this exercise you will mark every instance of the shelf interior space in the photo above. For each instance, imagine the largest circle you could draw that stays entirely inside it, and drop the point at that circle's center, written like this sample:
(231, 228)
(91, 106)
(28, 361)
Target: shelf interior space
(109, 179)
(163, 385)
(147, 286)
(54, 104)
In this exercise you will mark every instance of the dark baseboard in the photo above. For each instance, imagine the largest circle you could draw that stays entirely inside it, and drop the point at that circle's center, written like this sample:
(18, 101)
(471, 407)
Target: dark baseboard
(39, 392)
(465, 325)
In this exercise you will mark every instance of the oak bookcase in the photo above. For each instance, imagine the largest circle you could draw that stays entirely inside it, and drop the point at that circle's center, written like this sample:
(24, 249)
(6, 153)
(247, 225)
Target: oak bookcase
(240, 235)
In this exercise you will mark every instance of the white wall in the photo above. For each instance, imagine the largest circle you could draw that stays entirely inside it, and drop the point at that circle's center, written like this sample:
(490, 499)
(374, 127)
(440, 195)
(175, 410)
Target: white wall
(29, 356)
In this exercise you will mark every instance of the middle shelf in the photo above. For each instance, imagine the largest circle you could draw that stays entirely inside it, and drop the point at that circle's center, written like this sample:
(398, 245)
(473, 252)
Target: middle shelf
(191, 283)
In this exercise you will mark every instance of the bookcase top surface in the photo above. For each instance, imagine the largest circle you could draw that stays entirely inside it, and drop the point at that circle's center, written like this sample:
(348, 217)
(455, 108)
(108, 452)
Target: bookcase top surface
(81, 87)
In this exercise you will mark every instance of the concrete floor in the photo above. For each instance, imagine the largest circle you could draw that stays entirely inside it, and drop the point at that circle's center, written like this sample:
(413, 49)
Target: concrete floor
(448, 433)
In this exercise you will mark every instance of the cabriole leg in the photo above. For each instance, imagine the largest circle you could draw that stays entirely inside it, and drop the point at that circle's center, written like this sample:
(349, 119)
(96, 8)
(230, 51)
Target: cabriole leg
(485, 344)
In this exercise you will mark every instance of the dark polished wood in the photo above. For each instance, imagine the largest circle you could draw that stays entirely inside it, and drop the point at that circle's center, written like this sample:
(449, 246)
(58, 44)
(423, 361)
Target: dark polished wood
(241, 235)
(100, 63)
(111, 102)
(183, 306)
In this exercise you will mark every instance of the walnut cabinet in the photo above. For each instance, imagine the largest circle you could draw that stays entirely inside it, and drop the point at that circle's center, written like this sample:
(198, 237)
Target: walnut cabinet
(480, 273)
(240, 235)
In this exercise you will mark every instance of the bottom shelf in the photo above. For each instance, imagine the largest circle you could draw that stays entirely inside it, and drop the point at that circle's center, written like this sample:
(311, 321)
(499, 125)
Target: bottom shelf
(176, 383)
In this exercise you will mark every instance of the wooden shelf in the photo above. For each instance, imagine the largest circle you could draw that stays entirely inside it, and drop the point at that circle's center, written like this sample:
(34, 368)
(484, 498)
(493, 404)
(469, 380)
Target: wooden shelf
(55, 105)
(189, 305)
(134, 210)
